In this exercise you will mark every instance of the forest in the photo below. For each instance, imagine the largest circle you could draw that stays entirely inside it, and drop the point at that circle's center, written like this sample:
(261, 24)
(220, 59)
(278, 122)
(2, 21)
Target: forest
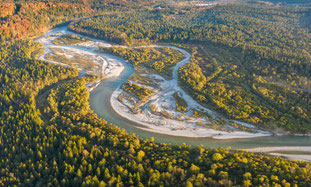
(51, 137)
(20, 18)
(249, 62)
(65, 143)
(32, 19)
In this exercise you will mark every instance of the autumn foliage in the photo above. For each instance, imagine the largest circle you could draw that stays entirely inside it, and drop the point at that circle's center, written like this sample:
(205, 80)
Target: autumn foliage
(6, 9)
(33, 18)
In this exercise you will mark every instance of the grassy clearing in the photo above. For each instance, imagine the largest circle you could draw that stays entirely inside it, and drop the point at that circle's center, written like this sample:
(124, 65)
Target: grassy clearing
(68, 39)
(130, 102)
(144, 80)
(241, 127)
(199, 114)
(37, 53)
(75, 60)
(140, 91)
(163, 113)
(181, 104)
(219, 124)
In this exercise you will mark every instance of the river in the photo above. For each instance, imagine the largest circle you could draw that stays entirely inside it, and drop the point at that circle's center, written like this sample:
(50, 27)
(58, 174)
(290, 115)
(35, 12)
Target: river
(100, 103)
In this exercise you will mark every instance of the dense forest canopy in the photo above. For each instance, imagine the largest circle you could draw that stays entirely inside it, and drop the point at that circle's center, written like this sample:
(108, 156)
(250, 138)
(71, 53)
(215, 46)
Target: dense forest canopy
(32, 18)
(65, 143)
(51, 137)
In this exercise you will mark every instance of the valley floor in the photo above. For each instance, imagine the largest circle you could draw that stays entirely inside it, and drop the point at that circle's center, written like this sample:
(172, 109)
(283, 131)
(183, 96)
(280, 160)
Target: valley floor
(158, 112)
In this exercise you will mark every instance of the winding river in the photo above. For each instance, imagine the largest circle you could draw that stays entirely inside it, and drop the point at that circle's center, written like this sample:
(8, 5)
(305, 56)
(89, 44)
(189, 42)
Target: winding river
(100, 103)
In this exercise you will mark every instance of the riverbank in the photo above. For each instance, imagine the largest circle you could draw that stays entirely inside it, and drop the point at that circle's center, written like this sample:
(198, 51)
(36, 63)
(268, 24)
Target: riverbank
(300, 153)
(96, 63)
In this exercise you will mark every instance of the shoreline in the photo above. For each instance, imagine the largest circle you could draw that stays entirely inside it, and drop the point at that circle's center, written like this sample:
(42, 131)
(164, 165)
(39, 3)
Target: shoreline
(273, 151)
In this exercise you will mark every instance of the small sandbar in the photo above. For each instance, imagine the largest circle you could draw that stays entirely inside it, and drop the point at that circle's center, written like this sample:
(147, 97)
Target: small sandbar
(300, 153)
